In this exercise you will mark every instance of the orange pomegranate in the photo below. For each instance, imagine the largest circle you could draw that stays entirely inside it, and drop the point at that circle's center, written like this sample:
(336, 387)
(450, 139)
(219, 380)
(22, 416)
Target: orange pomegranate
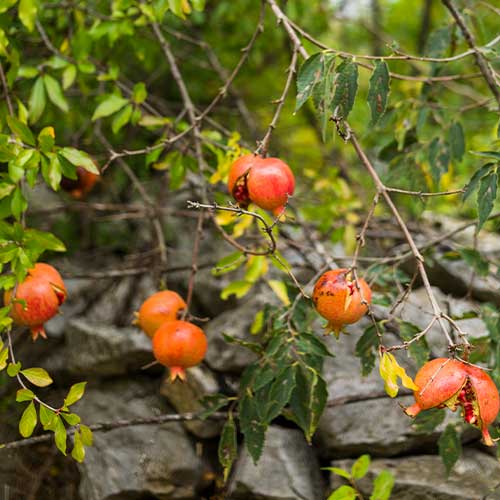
(445, 382)
(179, 345)
(337, 298)
(267, 182)
(78, 188)
(39, 296)
(155, 310)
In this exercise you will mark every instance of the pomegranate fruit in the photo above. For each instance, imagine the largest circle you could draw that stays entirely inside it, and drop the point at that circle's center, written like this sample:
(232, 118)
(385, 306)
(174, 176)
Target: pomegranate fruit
(267, 182)
(445, 382)
(42, 292)
(155, 310)
(337, 298)
(179, 345)
(78, 188)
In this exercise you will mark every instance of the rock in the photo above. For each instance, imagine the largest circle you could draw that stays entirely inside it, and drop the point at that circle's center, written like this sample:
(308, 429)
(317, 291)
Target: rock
(138, 461)
(95, 349)
(474, 477)
(225, 357)
(376, 426)
(287, 470)
(185, 397)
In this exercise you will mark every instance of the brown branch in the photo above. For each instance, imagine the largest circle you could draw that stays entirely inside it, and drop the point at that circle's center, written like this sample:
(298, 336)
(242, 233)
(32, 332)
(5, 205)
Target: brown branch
(6, 91)
(481, 61)
(118, 424)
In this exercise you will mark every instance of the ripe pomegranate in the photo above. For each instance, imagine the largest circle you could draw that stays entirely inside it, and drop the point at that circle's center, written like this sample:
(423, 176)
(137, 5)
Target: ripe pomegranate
(337, 298)
(42, 291)
(78, 188)
(267, 182)
(445, 382)
(179, 345)
(155, 310)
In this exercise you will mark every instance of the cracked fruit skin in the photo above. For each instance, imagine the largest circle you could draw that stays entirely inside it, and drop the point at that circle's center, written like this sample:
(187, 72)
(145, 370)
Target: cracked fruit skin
(337, 298)
(267, 182)
(81, 186)
(445, 382)
(155, 310)
(179, 345)
(42, 291)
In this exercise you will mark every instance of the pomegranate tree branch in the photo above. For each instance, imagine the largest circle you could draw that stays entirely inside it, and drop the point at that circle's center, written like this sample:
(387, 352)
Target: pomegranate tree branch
(481, 61)
(292, 69)
(6, 91)
(118, 424)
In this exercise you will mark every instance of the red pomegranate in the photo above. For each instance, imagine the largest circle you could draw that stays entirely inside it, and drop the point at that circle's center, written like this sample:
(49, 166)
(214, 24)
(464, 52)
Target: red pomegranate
(155, 310)
(79, 188)
(51, 274)
(445, 382)
(337, 298)
(267, 182)
(179, 345)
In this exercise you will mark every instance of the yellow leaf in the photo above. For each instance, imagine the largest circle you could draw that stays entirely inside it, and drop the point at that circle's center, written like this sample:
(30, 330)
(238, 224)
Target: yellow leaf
(245, 222)
(279, 288)
(224, 218)
(390, 371)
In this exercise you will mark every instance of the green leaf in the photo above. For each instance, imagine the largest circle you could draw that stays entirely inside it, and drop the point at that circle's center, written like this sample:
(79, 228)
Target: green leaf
(280, 393)
(13, 369)
(121, 118)
(110, 105)
(18, 203)
(474, 259)
(307, 343)
(253, 346)
(252, 428)
(456, 139)
(419, 350)
(346, 86)
(27, 13)
(5, 5)
(308, 400)
(493, 155)
(6, 189)
(68, 76)
(360, 467)
(79, 159)
(427, 421)
(228, 447)
(55, 93)
(52, 170)
(37, 100)
(228, 263)
(382, 486)
(339, 472)
(28, 421)
(78, 451)
(365, 349)
(4, 356)
(309, 75)
(87, 436)
(75, 393)
(60, 435)
(237, 288)
(47, 418)
(450, 447)
(37, 376)
(486, 197)
(474, 181)
(378, 91)
(139, 93)
(213, 403)
(344, 493)
(19, 129)
(71, 418)
(24, 395)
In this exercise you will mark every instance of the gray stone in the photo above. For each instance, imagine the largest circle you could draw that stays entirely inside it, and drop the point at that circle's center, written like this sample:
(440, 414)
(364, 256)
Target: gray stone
(287, 470)
(95, 349)
(377, 426)
(225, 357)
(474, 477)
(185, 397)
(134, 462)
